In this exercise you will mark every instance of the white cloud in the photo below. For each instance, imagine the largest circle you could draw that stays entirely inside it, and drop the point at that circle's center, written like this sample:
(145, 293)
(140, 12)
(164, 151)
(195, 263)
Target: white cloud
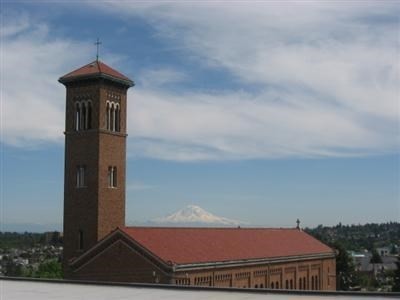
(327, 77)
(31, 98)
(157, 78)
(329, 72)
(240, 125)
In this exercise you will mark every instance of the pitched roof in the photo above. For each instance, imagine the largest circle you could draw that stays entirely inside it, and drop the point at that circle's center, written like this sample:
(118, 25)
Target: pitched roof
(96, 69)
(205, 245)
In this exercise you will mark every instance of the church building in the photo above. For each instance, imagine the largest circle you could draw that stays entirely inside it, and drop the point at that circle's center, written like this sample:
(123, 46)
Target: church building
(98, 245)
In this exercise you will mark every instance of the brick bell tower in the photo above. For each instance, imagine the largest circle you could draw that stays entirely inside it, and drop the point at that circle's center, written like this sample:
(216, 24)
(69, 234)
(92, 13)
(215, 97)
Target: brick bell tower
(95, 156)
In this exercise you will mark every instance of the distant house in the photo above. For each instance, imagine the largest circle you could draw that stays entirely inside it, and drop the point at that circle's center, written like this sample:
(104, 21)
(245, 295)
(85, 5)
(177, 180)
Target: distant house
(383, 251)
(364, 265)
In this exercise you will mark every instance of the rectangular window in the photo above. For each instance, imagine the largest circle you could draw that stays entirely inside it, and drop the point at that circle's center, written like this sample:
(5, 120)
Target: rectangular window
(112, 177)
(80, 176)
(80, 241)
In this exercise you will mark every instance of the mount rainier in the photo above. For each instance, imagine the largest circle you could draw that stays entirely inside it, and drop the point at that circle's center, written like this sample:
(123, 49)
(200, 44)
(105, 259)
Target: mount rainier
(193, 215)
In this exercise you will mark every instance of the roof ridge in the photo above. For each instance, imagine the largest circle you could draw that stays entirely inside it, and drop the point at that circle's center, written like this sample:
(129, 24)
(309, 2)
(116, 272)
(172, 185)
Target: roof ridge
(96, 69)
(211, 228)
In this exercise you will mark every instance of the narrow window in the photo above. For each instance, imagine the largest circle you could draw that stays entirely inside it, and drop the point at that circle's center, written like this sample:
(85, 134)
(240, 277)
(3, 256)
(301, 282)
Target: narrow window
(117, 118)
(277, 285)
(108, 115)
(300, 284)
(80, 176)
(272, 285)
(114, 183)
(77, 116)
(305, 284)
(256, 286)
(83, 116)
(112, 177)
(110, 174)
(261, 286)
(89, 115)
(287, 284)
(312, 282)
(291, 284)
(112, 120)
(80, 245)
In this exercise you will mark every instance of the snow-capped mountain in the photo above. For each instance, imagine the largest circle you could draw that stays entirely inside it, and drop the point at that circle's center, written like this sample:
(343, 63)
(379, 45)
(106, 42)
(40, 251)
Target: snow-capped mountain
(195, 215)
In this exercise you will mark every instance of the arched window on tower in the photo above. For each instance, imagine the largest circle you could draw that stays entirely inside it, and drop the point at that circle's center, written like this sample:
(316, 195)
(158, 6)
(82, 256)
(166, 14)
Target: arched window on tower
(108, 115)
(312, 282)
(83, 115)
(272, 285)
(300, 284)
(113, 116)
(112, 119)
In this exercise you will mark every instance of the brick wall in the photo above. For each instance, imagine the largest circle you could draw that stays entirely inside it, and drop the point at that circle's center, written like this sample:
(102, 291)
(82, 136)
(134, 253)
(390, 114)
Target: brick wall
(96, 209)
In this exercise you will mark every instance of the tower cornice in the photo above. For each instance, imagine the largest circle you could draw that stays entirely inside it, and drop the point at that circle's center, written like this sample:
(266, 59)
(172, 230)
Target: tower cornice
(96, 70)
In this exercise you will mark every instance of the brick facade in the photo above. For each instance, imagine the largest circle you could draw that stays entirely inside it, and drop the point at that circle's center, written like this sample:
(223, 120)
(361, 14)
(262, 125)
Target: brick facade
(119, 259)
(93, 211)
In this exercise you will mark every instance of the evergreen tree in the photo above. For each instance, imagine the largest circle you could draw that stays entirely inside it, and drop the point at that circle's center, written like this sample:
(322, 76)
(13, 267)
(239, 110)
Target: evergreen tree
(345, 269)
(376, 258)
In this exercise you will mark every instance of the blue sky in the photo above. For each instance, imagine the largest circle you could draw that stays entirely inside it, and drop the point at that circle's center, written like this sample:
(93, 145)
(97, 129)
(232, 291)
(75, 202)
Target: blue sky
(263, 112)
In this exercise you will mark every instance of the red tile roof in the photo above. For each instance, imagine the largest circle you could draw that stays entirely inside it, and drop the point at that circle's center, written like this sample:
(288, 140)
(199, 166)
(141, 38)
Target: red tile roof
(94, 68)
(202, 245)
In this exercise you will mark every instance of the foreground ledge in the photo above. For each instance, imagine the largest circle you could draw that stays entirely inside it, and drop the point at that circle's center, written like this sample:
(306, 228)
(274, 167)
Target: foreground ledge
(31, 288)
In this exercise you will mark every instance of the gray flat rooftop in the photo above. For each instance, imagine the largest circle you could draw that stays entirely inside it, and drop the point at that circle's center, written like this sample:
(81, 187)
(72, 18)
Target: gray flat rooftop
(42, 290)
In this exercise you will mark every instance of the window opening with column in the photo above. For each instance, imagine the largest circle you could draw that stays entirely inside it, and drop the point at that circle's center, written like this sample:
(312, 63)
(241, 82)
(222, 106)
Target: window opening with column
(112, 176)
(113, 116)
(83, 115)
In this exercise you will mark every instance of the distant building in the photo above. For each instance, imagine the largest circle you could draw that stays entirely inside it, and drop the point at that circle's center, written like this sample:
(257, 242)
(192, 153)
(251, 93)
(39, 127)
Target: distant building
(98, 246)
(383, 251)
(52, 237)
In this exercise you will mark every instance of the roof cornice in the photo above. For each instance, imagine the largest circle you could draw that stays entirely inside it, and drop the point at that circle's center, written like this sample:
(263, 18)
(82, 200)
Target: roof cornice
(250, 262)
(65, 80)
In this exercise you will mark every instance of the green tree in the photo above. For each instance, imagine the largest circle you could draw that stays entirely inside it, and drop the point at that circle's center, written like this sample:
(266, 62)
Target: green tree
(345, 269)
(376, 258)
(49, 269)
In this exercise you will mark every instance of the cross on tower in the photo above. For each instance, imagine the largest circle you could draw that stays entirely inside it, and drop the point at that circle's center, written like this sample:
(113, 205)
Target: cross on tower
(97, 43)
